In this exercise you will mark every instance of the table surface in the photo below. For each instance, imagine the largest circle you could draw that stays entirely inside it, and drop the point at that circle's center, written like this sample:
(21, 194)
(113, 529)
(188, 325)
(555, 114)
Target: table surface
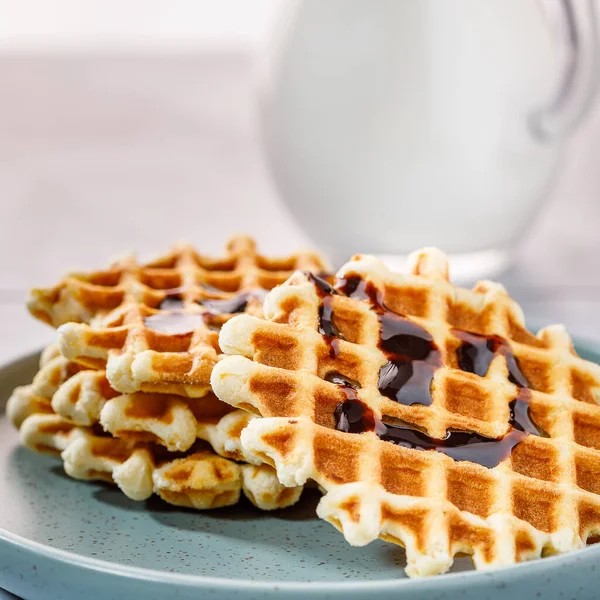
(101, 155)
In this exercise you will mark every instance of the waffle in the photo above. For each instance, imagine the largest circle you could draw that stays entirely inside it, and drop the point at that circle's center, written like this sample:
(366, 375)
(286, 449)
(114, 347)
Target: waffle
(427, 413)
(155, 327)
(173, 421)
(74, 412)
(200, 479)
(36, 398)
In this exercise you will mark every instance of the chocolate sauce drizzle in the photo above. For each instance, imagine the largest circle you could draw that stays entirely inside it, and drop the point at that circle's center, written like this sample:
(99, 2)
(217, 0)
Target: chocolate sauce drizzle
(211, 288)
(228, 306)
(520, 417)
(327, 327)
(173, 300)
(413, 358)
(353, 416)
(353, 287)
(342, 380)
(476, 353)
(323, 287)
(326, 276)
(175, 322)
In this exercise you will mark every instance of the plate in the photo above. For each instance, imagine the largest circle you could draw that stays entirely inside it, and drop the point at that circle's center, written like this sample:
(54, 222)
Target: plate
(62, 539)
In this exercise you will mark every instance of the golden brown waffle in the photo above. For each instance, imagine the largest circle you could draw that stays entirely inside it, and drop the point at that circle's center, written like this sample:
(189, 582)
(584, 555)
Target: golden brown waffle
(137, 467)
(428, 413)
(155, 327)
(81, 397)
(82, 297)
(37, 397)
(200, 479)
(25, 402)
(145, 424)
(176, 423)
(48, 433)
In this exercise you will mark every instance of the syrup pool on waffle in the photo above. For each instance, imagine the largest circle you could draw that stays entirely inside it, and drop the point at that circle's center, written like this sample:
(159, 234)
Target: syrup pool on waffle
(413, 358)
(174, 320)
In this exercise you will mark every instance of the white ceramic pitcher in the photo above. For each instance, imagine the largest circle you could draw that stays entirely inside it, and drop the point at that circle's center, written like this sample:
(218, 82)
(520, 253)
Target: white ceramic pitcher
(394, 124)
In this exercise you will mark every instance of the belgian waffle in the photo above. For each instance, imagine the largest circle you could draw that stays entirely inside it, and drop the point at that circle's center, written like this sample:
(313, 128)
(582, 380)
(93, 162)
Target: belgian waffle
(36, 398)
(155, 327)
(176, 423)
(75, 412)
(200, 479)
(428, 413)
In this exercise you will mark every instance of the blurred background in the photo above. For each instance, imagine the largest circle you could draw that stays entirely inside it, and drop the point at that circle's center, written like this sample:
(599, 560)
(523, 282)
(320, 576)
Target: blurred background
(130, 124)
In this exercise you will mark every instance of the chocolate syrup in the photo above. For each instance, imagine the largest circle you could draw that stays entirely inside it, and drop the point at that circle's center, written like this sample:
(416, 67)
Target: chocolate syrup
(413, 358)
(412, 354)
(326, 276)
(173, 300)
(353, 287)
(353, 416)
(342, 380)
(327, 326)
(407, 382)
(458, 445)
(323, 287)
(515, 375)
(477, 352)
(259, 293)
(400, 336)
(211, 288)
(520, 417)
(228, 306)
(334, 345)
(174, 322)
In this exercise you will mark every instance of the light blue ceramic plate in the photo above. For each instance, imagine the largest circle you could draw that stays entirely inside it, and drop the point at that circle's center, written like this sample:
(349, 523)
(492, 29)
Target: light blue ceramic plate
(61, 539)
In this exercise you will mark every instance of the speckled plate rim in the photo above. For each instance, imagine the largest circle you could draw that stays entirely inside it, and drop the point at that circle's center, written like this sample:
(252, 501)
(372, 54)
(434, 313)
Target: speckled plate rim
(450, 581)
(528, 569)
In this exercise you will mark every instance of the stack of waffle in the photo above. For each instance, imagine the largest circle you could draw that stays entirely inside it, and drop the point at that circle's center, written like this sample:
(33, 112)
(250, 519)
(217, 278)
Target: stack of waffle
(427, 414)
(124, 396)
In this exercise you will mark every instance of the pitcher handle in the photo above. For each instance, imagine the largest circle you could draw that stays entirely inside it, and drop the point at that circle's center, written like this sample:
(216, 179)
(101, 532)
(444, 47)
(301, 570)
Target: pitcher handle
(579, 81)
